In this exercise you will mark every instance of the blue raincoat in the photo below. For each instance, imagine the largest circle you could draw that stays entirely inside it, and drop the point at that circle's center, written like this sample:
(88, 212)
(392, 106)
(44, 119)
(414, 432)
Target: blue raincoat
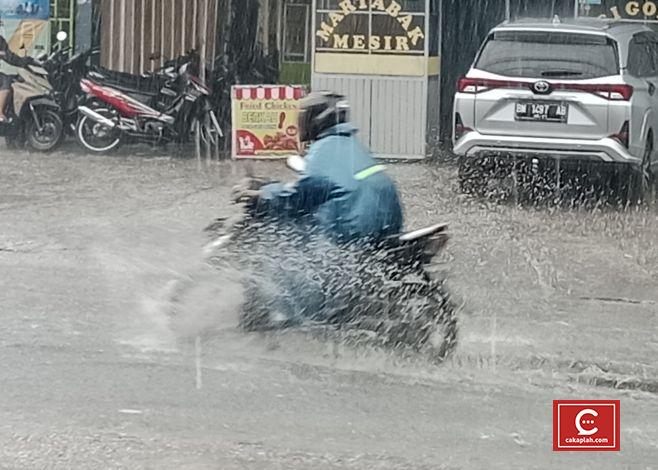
(350, 198)
(347, 192)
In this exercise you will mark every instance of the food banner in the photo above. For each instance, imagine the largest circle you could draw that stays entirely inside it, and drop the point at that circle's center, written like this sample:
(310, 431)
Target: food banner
(265, 121)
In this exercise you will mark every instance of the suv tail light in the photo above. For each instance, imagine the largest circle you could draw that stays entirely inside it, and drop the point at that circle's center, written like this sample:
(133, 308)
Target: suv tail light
(460, 128)
(478, 85)
(622, 136)
(609, 92)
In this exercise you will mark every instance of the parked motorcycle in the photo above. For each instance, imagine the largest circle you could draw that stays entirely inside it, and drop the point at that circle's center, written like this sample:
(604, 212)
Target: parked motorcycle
(171, 107)
(157, 89)
(379, 294)
(65, 74)
(34, 115)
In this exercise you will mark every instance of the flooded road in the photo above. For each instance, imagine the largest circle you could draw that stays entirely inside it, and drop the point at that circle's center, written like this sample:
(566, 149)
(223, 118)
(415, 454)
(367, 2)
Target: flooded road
(555, 303)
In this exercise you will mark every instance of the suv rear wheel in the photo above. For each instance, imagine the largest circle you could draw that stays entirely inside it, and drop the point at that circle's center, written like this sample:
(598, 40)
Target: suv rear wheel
(642, 182)
(472, 178)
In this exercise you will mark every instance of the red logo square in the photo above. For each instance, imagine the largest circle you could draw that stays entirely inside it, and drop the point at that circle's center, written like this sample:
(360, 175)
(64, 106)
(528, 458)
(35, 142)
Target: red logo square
(586, 425)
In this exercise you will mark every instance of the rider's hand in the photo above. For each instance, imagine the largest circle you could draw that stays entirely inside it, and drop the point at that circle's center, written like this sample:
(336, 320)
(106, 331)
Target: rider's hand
(246, 195)
(243, 192)
(244, 185)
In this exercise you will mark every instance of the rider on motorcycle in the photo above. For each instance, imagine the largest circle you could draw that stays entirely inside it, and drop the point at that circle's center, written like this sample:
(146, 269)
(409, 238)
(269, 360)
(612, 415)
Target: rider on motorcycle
(6, 80)
(348, 193)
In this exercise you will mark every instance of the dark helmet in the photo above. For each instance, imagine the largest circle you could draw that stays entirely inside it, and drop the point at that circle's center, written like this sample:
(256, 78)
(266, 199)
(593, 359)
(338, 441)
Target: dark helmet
(320, 111)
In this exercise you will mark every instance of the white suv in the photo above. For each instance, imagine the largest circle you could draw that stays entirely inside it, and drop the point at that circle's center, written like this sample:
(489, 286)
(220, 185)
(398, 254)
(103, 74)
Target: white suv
(579, 90)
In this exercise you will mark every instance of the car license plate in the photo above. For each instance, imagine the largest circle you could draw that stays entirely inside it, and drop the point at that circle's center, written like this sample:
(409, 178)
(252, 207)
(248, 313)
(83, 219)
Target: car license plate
(541, 111)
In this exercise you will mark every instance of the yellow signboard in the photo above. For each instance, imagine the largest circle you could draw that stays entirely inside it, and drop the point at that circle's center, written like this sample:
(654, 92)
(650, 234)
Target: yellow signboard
(370, 26)
(645, 10)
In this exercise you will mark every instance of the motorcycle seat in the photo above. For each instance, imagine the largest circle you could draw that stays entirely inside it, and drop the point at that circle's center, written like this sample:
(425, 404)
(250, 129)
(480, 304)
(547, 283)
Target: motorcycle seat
(150, 85)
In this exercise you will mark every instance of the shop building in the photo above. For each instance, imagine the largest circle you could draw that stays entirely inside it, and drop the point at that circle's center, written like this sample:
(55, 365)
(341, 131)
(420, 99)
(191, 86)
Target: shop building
(397, 61)
(384, 55)
(139, 35)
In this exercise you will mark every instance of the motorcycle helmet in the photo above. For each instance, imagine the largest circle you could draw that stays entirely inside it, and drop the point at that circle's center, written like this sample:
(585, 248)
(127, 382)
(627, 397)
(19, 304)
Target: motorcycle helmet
(320, 111)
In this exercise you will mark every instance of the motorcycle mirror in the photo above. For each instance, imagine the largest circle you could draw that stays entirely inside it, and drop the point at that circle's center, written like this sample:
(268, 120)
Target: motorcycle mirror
(38, 70)
(296, 163)
(62, 36)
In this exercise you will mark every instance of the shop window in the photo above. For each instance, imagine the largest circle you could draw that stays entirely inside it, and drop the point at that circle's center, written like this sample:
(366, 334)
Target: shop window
(296, 41)
(62, 14)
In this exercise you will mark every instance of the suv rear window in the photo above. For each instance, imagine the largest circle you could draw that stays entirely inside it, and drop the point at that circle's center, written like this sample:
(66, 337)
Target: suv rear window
(547, 54)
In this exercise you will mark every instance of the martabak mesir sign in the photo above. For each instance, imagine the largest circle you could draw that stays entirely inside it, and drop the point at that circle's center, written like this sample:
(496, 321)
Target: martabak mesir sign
(370, 26)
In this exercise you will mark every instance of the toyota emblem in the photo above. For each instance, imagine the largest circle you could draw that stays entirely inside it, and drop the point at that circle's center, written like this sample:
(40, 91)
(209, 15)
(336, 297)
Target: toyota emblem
(541, 88)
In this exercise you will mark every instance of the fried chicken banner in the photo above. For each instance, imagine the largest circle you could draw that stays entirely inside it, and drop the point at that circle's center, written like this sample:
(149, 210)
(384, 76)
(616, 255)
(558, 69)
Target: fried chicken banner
(265, 121)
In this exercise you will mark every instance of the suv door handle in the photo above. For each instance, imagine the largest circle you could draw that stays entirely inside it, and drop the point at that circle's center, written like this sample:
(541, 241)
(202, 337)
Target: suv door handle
(652, 88)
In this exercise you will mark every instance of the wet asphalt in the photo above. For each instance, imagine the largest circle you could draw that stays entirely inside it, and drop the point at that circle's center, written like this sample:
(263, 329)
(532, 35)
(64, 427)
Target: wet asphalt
(555, 302)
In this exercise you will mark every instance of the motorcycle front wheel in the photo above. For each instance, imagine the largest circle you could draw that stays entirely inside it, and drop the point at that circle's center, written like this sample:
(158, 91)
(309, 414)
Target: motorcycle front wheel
(97, 137)
(49, 135)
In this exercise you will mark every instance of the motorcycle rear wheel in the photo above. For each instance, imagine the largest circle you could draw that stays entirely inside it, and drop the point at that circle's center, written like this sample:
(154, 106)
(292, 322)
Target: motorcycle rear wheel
(415, 318)
(51, 134)
(96, 137)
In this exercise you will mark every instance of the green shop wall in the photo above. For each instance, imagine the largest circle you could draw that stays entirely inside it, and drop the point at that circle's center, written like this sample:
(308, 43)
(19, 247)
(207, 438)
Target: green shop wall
(295, 73)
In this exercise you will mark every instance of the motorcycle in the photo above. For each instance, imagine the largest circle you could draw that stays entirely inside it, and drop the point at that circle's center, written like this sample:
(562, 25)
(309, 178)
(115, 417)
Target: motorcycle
(156, 89)
(172, 108)
(380, 294)
(33, 112)
(64, 74)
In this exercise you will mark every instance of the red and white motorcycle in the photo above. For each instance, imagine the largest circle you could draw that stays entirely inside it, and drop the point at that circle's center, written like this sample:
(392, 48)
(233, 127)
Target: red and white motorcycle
(114, 114)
